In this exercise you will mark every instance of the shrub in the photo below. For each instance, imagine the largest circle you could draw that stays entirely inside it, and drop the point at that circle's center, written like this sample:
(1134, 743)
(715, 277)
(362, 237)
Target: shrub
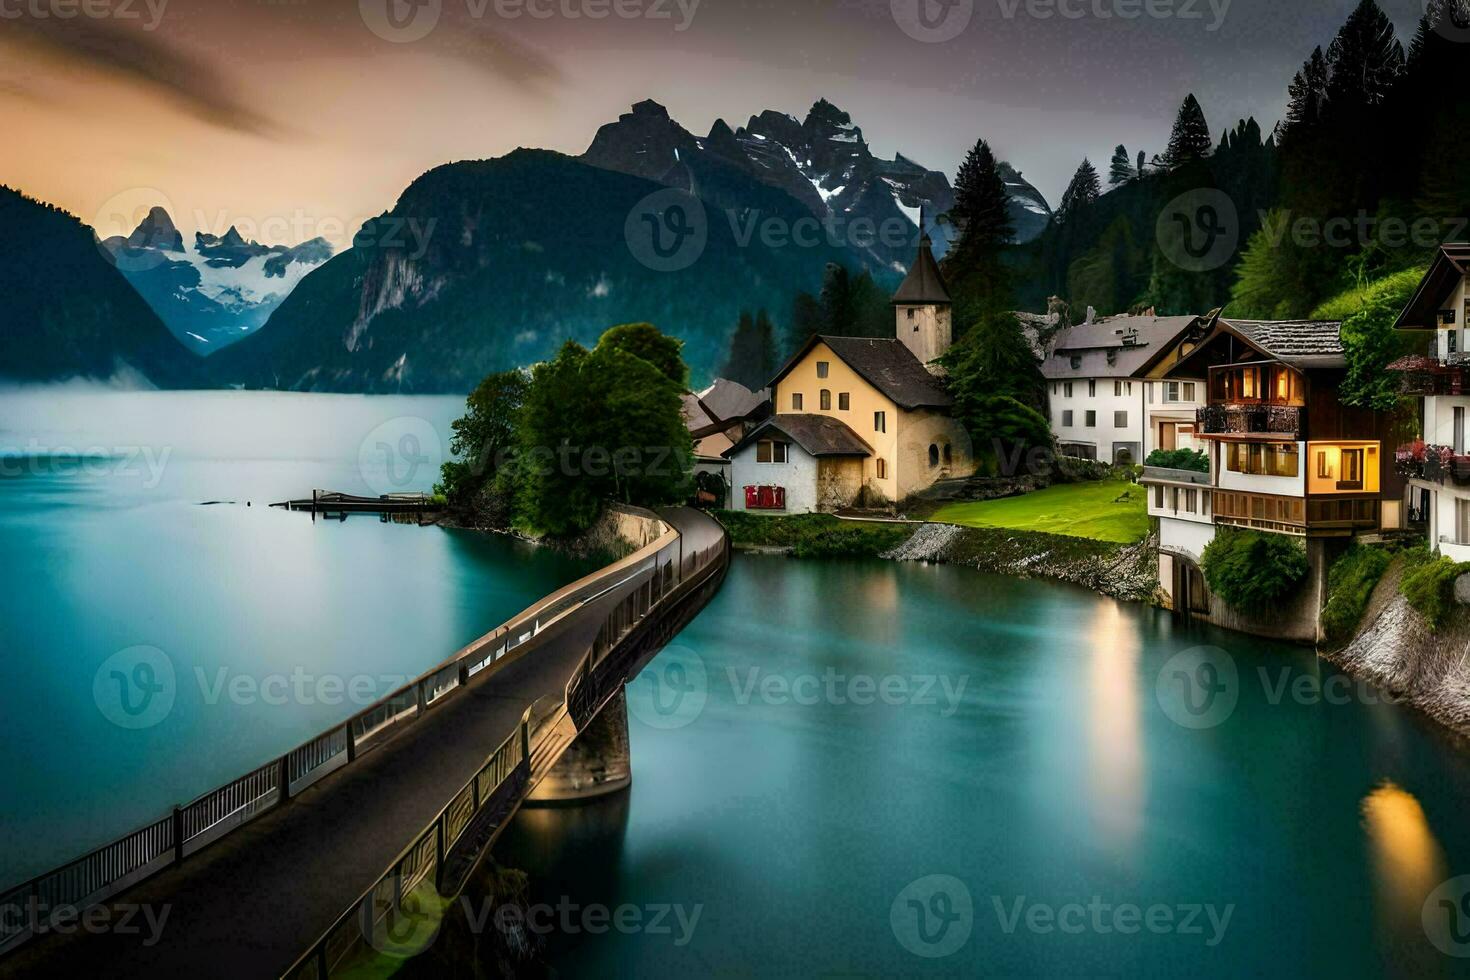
(1250, 569)
(1350, 584)
(1179, 459)
(814, 535)
(1429, 585)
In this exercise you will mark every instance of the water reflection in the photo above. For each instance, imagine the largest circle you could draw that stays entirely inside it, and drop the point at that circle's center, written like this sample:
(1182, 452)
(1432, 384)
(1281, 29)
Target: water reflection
(1406, 858)
(1115, 741)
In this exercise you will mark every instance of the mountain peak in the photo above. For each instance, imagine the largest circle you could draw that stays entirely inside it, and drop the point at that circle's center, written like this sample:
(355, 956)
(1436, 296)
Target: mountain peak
(648, 107)
(823, 111)
(233, 238)
(157, 231)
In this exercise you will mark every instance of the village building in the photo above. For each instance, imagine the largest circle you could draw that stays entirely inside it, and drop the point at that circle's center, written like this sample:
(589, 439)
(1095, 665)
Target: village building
(1439, 463)
(1286, 456)
(717, 418)
(859, 420)
(1109, 396)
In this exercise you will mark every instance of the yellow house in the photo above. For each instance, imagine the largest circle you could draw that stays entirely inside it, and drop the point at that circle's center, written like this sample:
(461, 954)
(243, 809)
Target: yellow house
(885, 393)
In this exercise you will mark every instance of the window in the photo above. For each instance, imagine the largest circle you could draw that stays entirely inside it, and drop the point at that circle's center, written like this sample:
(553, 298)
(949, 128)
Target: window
(1457, 435)
(796, 401)
(1281, 459)
(1067, 417)
(825, 400)
(1092, 389)
(1117, 389)
(1120, 420)
(910, 312)
(882, 469)
(1067, 389)
(1054, 389)
(823, 368)
(948, 454)
(1150, 389)
(880, 422)
(1189, 391)
(844, 402)
(770, 451)
(1189, 497)
(1352, 470)
(1449, 338)
(1091, 419)
(1158, 498)
(1324, 468)
(1076, 362)
(1174, 498)
(933, 454)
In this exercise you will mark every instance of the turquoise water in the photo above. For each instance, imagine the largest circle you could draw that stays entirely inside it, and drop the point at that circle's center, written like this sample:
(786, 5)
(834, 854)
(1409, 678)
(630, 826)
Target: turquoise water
(806, 827)
(262, 628)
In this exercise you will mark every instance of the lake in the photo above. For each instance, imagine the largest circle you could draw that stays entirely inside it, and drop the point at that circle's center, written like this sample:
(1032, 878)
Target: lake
(257, 628)
(1030, 797)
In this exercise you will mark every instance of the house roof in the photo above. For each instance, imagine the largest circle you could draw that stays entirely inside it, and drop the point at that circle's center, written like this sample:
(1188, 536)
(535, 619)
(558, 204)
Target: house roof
(729, 401)
(1113, 347)
(1300, 343)
(1449, 265)
(924, 285)
(886, 364)
(819, 435)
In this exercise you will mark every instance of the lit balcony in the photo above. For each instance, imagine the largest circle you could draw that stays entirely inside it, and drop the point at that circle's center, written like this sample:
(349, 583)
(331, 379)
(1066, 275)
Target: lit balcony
(1278, 421)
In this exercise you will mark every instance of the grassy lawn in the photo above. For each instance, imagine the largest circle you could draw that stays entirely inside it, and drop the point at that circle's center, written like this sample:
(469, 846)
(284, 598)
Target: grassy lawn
(1107, 511)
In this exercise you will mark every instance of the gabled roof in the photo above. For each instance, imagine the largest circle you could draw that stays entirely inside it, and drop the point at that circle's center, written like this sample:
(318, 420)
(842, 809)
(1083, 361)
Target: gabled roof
(886, 364)
(1445, 271)
(924, 285)
(729, 401)
(819, 435)
(1100, 351)
(1302, 344)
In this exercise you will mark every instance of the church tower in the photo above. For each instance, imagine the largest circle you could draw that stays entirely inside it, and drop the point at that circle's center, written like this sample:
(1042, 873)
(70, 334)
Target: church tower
(922, 308)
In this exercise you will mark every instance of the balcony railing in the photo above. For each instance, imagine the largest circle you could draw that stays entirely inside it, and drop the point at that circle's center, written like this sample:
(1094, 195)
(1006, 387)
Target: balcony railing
(1436, 464)
(1429, 376)
(1282, 420)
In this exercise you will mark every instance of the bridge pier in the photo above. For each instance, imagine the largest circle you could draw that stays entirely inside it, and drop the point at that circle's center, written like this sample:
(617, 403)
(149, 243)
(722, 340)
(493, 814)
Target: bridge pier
(597, 764)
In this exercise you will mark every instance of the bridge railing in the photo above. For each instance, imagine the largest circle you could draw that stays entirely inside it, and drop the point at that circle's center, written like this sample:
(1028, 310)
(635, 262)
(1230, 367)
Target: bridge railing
(122, 863)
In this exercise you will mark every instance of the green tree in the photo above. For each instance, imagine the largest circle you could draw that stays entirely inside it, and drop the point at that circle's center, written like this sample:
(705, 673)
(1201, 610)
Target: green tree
(1120, 169)
(1307, 95)
(995, 359)
(1081, 193)
(646, 341)
(1275, 279)
(1363, 62)
(752, 358)
(483, 437)
(975, 269)
(1252, 570)
(1190, 139)
(1371, 344)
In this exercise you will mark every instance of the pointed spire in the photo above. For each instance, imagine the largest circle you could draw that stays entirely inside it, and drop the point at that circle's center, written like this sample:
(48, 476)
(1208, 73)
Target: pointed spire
(924, 285)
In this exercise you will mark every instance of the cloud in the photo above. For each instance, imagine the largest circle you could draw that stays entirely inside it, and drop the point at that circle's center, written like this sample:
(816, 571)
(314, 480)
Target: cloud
(126, 52)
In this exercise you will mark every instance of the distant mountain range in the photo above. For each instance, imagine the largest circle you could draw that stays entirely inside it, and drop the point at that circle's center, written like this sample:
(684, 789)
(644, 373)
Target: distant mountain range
(66, 312)
(487, 265)
(218, 292)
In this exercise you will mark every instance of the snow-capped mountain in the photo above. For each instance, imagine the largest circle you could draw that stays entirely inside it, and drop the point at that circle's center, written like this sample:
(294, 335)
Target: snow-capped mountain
(218, 292)
(823, 161)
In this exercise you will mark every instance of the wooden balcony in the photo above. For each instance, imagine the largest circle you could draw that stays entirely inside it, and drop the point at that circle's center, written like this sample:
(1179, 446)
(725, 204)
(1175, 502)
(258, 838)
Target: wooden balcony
(1282, 422)
(1315, 516)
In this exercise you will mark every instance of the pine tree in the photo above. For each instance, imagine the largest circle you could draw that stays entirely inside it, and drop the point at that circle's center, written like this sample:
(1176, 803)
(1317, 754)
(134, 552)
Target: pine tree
(1308, 95)
(1363, 61)
(1121, 171)
(765, 343)
(981, 205)
(742, 363)
(1190, 139)
(1142, 163)
(1082, 192)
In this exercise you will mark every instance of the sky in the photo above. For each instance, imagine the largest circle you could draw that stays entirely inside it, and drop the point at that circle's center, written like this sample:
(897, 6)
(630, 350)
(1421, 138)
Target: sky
(296, 118)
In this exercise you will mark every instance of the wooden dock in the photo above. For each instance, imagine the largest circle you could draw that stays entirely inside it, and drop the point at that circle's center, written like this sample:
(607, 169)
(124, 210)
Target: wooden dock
(330, 503)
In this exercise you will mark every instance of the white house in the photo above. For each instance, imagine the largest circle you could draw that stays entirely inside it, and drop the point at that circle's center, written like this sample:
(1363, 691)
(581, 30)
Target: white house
(798, 464)
(1439, 488)
(1108, 397)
